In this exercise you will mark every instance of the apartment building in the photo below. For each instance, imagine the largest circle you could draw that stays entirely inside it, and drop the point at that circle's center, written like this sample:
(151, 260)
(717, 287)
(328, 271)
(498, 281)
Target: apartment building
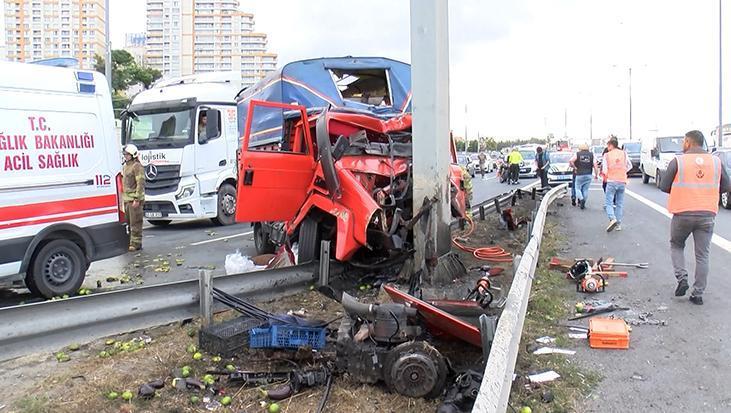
(134, 43)
(196, 36)
(44, 29)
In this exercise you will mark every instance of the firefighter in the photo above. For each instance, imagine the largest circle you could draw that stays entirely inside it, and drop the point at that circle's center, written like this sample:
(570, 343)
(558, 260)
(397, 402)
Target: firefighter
(133, 182)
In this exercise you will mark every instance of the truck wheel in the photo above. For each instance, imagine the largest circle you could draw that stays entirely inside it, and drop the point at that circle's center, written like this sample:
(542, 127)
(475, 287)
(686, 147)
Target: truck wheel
(226, 205)
(160, 222)
(58, 268)
(645, 177)
(726, 200)
(657, 178)
(308, 241)
(261, 241)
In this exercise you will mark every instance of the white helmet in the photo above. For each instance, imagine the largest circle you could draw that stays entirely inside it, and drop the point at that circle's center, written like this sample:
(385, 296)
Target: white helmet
(131, 149)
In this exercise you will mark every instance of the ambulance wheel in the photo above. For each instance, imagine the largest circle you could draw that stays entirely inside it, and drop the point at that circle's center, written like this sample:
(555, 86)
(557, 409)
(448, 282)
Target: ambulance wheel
(58, 268)
(160, 222)
(226, 205)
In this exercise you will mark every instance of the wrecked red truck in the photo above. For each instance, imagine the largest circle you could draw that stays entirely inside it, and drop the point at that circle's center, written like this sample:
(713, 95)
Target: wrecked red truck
(327, 155)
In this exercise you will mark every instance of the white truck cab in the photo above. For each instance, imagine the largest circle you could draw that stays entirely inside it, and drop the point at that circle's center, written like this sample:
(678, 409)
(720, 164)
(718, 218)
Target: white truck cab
(187, 133)
(657, 154)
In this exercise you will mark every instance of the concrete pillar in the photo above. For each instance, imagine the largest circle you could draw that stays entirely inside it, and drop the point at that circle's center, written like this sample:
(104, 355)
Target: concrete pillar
(430, 106)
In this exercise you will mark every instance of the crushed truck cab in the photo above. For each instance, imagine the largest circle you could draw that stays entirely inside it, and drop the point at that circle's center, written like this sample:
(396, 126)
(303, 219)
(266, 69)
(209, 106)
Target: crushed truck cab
(342, 174)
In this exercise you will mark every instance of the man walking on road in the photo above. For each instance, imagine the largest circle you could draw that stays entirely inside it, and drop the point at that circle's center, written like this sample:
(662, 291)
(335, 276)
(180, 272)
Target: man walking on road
(615, 165)
(694, 181)
(482, 158)
(514, 160)
(542, 162)
(584, 166)
(133, 195)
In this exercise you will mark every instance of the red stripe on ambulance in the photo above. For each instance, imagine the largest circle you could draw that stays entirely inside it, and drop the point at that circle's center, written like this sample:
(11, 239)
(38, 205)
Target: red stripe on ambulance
(39, 210)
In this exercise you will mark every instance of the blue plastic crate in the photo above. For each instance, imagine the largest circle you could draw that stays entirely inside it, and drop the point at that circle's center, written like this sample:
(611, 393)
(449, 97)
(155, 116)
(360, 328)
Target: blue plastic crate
(286, 336)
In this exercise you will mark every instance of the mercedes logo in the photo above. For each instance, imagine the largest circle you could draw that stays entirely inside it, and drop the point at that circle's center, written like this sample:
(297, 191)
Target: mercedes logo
(150, 172)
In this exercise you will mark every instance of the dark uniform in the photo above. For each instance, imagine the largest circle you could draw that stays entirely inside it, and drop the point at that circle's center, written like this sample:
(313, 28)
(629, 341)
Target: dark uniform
(133, 181)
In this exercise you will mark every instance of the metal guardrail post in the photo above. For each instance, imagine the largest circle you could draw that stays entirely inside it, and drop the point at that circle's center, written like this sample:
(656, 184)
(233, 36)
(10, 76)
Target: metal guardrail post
(324, 263)
(487, 334)
(206, 296)
(498, 376)
(482, 211)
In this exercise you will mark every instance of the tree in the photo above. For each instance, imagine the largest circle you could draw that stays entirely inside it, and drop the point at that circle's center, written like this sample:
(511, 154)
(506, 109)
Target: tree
(472, 146)
(460, 146)
(126, 72)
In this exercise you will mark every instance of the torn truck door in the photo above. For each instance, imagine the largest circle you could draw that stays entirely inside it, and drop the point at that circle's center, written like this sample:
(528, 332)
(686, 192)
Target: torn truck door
(279, 166)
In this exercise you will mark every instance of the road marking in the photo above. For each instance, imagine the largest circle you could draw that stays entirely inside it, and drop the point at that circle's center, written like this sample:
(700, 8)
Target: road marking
(720, 241)
(208, 241)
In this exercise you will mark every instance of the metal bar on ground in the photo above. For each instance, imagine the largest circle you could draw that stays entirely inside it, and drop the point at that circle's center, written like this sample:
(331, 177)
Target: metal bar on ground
(324, 263)
(37, 327)
(205, 297)
(498, 378)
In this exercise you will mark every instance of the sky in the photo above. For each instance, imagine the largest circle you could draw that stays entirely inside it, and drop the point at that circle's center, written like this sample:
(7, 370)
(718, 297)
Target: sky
(527, 68)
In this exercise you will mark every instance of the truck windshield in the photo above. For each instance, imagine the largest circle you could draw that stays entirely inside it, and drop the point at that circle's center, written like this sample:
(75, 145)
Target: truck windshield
(671, 144)
(160, 129)
(632, 147)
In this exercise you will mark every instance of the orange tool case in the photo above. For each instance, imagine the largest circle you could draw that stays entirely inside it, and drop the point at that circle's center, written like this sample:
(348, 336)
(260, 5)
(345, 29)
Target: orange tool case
(608, 333)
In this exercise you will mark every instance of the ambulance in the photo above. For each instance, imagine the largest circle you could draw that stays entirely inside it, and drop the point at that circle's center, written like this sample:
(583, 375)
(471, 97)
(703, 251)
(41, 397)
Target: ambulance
(60, 177)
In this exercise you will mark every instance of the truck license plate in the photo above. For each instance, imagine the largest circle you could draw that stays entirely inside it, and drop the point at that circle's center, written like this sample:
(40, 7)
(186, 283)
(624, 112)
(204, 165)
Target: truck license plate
(153, 214)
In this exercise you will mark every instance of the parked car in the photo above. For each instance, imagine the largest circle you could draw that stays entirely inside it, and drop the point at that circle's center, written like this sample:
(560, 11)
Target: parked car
(528, 168)
(598, 151)
(725, 155)
(465, 161)
(657, 154)
(634, 152)
(560, 171)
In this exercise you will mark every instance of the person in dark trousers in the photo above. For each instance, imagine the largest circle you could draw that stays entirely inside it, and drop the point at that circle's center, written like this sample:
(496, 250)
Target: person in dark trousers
(515, 159)
(694, 181)
(133, 195)
(584, 167)
(543, 162)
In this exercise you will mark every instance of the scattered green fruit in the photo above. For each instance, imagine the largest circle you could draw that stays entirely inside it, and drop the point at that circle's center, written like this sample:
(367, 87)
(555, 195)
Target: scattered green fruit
(62, 357)
(216, 359)
(74, 347)
(230, 367)
(226, 401)
(362, 287)
(103, 354)
(274, 408)
(579, 307)
(526, 409)
(191, 333)
(112, 395)
(127, 395)
(65, 296)
(192, 348)
(209, 379)
(197, 356)
(194, 399)
(109, 342)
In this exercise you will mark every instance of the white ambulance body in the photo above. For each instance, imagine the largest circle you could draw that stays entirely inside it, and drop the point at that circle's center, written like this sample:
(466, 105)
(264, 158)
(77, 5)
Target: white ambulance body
(60, 177)
(190, 170)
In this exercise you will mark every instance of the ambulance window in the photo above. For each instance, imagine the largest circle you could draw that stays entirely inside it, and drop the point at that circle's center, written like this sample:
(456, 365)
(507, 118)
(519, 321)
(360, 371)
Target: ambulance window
(203, 121)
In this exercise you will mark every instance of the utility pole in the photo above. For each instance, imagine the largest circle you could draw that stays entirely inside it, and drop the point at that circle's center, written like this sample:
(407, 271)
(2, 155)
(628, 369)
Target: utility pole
(430, 131)
(720, 76)
(630, 103)
(591, 127)
(108, 44)
(565, 122)
(465, 128)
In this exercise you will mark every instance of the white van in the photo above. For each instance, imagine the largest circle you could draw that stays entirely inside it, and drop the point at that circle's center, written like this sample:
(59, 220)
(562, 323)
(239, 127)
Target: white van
(60, 177)
(190, 170)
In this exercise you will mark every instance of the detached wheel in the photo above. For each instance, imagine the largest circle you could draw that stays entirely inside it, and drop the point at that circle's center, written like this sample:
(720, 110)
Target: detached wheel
(645, 177)
(261, 241)
(58, 268)
(160, 222)
(726, 200)
(226, 205)
(309, 238)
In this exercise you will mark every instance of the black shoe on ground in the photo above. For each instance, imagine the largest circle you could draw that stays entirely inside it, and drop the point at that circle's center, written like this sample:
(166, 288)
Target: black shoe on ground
(682, 288)
(573, 201)
(696, 299)
(582, 204)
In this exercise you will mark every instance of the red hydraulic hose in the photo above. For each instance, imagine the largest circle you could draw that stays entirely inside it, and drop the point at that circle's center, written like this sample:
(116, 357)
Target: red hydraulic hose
(492, 254)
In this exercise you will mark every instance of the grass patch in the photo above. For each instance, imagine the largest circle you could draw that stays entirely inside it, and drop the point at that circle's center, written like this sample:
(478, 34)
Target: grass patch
(32, 404)
(549, 306)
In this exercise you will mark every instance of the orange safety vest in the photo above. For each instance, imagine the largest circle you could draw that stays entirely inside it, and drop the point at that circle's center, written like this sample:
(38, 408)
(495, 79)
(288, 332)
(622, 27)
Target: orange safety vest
(617, 166)
(696, 184)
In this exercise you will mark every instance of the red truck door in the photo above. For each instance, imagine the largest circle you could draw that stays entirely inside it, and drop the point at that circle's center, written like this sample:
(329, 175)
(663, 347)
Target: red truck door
(276, 169)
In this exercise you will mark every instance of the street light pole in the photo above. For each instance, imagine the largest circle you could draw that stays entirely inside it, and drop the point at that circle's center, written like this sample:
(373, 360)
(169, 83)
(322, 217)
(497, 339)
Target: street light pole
(630, 103)
(720, 77)
(108, 46)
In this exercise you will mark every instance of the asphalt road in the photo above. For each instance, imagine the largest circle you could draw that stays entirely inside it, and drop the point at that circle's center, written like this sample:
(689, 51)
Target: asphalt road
(178, 251)
(681, 367)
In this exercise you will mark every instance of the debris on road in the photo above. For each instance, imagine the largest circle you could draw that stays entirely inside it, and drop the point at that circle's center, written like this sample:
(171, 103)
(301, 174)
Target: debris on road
(553, 350)
(608, 333)
(546, 340)
(545, 377)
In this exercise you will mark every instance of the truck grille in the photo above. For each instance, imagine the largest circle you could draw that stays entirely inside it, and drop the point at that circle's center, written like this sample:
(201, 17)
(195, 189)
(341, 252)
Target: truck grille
(159, 206)
(166, 180)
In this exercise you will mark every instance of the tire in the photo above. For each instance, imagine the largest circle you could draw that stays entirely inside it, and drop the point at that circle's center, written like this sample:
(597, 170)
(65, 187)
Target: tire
(226, 206)
(726, 200)
(657, 178)
(261, 241)
(645, 177)
(309, 238)
(57, 268)
(160, 222)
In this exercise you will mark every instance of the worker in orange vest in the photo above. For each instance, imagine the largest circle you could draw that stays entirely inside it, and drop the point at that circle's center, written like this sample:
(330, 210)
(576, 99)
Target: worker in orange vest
(615, 165)
(694, 181)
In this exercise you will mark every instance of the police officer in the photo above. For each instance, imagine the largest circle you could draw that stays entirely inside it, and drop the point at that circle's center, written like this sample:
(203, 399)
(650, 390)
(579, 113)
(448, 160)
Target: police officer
(694, 181)
(133, 183)
(514, 160)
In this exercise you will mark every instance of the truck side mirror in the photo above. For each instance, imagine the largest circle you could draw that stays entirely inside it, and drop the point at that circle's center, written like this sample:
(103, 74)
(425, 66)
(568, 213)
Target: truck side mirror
(653, 152)
(212, 126)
